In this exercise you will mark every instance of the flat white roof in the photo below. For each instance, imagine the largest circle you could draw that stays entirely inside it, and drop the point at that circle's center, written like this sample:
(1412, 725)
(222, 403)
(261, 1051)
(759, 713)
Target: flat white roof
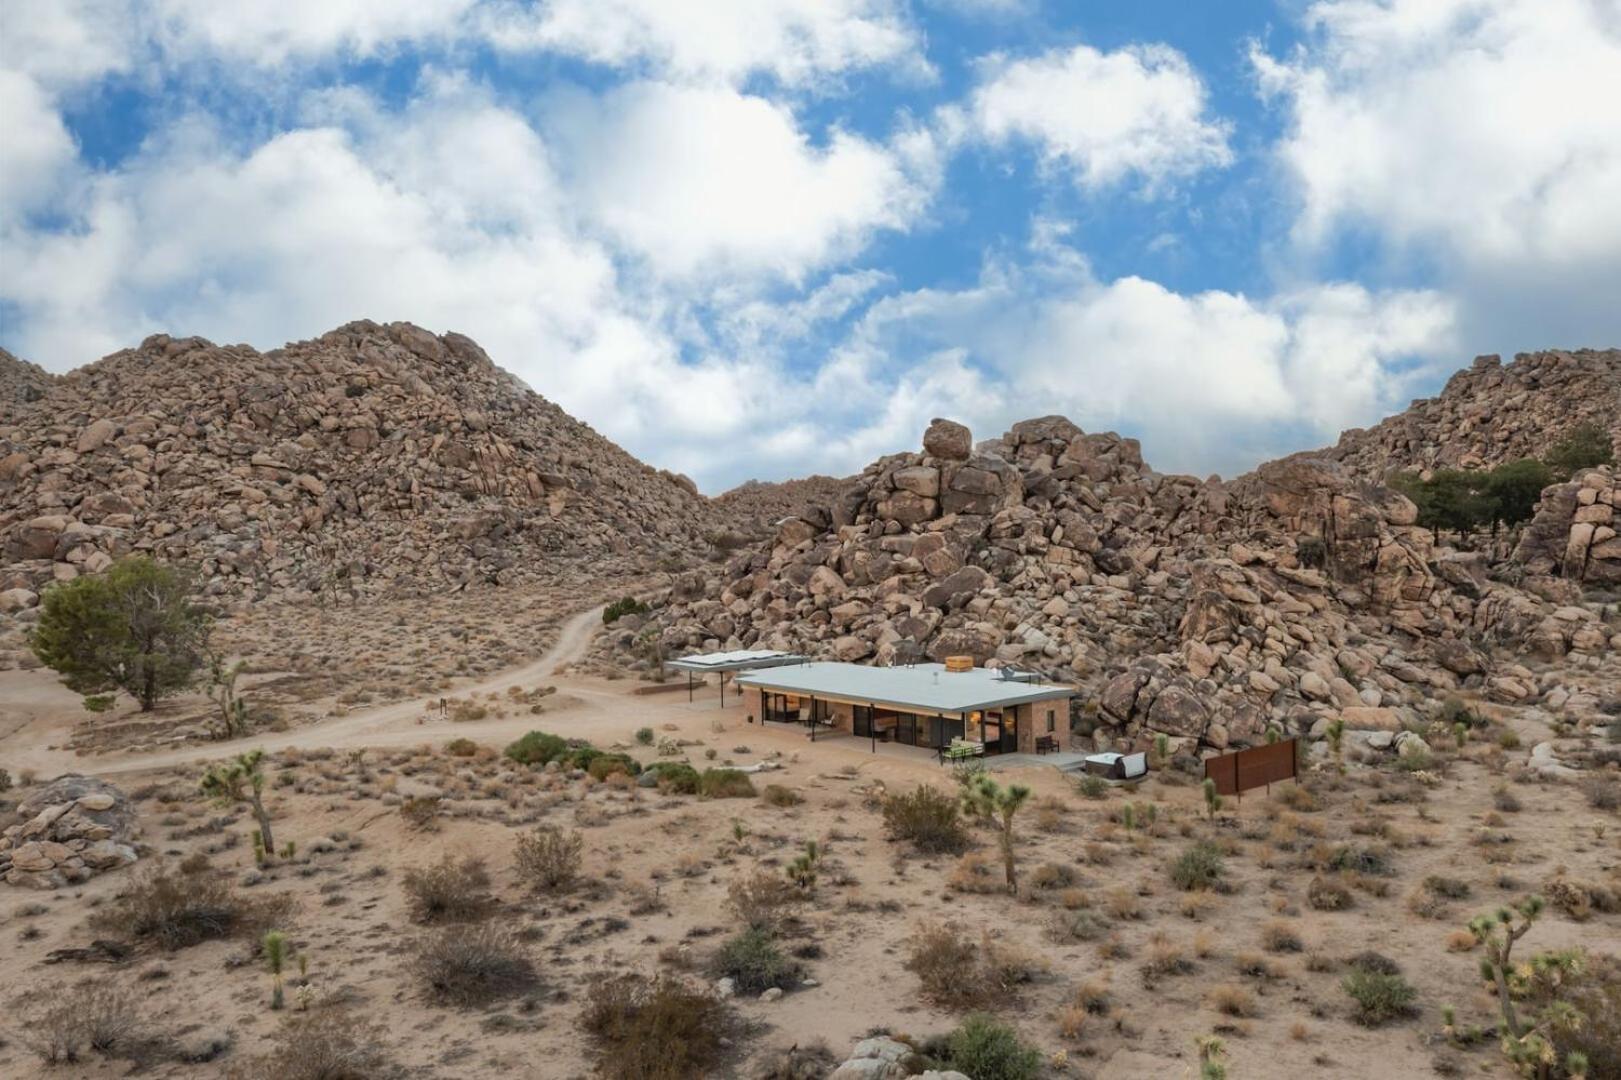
(920, 688)
(737, 660)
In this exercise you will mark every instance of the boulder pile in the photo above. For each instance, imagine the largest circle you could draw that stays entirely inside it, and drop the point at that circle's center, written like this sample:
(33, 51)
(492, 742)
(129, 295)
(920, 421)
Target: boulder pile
(1207, 610)
(66, 832)
(1574, 532)
(371, 459)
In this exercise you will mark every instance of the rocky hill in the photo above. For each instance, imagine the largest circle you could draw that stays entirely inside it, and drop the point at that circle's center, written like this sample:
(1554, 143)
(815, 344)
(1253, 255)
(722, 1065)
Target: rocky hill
(1297, 594)
(1490, 413)
(371, 459)
(21, 384)
(754, 508)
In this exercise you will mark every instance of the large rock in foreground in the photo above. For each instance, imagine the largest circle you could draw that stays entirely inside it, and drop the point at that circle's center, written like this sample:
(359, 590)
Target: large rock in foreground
(68, 831)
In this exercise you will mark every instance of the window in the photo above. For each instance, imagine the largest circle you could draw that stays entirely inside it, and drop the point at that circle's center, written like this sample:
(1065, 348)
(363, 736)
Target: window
(1052, 723)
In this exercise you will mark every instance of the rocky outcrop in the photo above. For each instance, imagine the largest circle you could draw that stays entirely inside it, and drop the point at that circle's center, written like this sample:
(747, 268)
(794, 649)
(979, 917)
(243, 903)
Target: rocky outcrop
(68, 831)
(753, 509)
(21, 385)
(884, 1058)
(1490, 413)
(1209, 611)
(1575, 531)
(374, 458)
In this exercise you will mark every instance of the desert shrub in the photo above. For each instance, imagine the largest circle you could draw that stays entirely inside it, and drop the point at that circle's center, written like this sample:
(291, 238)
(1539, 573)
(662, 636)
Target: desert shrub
(1379, 998)
(537, 748)
(1075, 926)
(1603, 792)
(655, 1029)
(1450, 888)
(1092, 787)
(5, 781)
(1050, 876)
(928, 818)
(328, 1044)
(1230, 999)
(448, 891)
(777, 795)
(645, 736)
(95, 1015)
(1281, 936)
(1373, 962)
(603, 766)
(725, 784)
(1579, 899)
(762, 900)
(625, 605)
(1328, 894)
(1362, 860)
(462, 748)
(1455, 711)
(1593, 990)
(548, 859)
(754, 963)
(472, 965)
(177, 911)
(421, 812)
(1505, 800)
(1299, 797)
(1199, 867)
(1165, 957)
(946, 965)
(675, 776)
(987, 1049)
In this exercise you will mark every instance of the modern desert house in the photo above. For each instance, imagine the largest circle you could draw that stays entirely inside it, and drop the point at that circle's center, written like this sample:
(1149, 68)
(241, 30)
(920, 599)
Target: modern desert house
(924, 705)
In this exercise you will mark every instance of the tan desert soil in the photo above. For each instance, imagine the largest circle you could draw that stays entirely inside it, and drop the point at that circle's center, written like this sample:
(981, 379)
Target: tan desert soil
(872, 893)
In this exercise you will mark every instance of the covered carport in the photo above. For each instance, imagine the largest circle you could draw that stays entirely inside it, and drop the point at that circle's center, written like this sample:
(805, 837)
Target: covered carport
(724, 663)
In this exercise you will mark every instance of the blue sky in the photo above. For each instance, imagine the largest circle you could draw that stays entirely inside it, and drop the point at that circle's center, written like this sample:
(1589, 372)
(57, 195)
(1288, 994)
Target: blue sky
(761, 238)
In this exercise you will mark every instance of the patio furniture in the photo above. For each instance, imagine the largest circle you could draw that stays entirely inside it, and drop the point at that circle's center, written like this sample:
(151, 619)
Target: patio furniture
(1046, 744)
(961, 750)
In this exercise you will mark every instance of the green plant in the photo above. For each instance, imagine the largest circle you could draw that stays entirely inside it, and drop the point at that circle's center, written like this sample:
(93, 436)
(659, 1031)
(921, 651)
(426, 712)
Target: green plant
(274, 946)
(1380, 997)
(1212, 799)
(448, 891)
(1212, 1052)
(675, 776)
(625, 605)
(802, 871)
(461, 747)
(1584, 446)
(181, 910)
(928, 818)
(242, 778)
(548, 859)
(989, 801)
(761, 901)
(132, 628)
(602, 766)
(1199, 867)
(645, 736)
(1336, 743)
(1497, 934)
(725, 784)
(233, 711)
(1162, 749)
(754, 963)
(537, 748)
(987, 1049)
(655, 1029)
(1092, 787)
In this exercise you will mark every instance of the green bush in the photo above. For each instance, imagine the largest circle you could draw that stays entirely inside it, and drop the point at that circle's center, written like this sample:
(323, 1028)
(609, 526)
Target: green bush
(1199, 867)
(1092, 787)
(675, 776)
(928, 818)
(1583, 447)
(625, 605)
(725, 784)
(1379, 997)
(987, 1049)
(605, 765)
(644, 735)
(753, 962)
(537, 748)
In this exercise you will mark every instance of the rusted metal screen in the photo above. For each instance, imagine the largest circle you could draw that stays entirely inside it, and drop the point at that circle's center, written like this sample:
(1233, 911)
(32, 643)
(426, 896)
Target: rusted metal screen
(1256, 767)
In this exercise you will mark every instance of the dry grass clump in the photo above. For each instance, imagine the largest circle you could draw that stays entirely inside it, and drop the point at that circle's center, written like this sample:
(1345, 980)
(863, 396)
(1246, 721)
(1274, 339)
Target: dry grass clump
(548, 859)
(177, 911)
(472, 966)
(955, 973)
(1050, 876)
(330, 1044)
(655, 1029)
(1281, 936)
(448, 891)
(1075, 926)
(93, 1015)
(1300, 798)
(928, 818)
(1580, 899)
(1199, 867)
(421, 813)
(1123, 903)
(1230, 999)
(1165, 957)
(777, 795)
(1603, 791)
(725, 784)
(1093, 996)
(977, 872)
(762, 900)
(1328, 894)
(1379, 997)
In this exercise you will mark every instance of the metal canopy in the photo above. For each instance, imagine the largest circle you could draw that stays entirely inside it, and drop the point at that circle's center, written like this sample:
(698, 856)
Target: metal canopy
(737, 660)
(922, 688)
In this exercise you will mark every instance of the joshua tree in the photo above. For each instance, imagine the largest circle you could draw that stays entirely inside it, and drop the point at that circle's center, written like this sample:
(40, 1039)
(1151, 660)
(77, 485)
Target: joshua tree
(1212, 798)
(275, 948)
(226, 782)
(1211, 1052)
(802, 871)
(1528, 1046)
(222, 688)
(1498, 933)
(1336, 742)
(987, 799)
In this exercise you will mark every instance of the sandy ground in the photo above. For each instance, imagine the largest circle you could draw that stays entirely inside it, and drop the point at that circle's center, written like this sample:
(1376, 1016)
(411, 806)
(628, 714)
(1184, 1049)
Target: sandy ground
(352, 923)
